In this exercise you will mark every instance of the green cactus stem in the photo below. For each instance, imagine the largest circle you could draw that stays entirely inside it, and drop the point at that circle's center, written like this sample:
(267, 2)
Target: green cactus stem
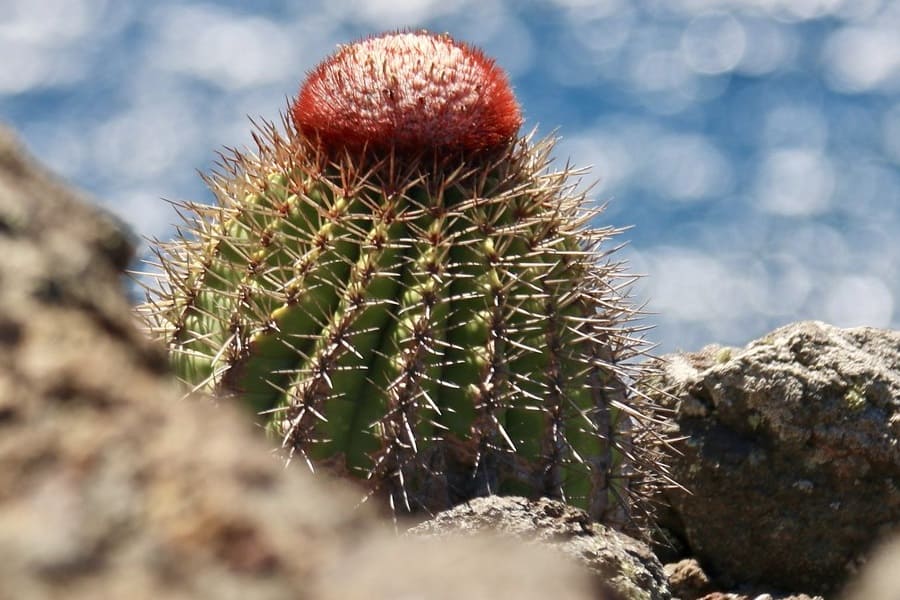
(406, 292)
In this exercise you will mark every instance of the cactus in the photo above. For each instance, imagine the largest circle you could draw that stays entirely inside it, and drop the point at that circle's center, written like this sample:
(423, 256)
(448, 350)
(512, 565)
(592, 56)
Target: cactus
(406, 292)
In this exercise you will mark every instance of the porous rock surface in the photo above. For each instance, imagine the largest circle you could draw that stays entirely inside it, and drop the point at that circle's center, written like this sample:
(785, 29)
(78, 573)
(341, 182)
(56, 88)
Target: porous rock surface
(790, 456)
(110, 487)
(687, 580)
(628, 567)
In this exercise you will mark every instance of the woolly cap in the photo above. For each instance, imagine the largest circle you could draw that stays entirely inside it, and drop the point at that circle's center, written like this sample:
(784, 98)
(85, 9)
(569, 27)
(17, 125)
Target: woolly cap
(409, 92)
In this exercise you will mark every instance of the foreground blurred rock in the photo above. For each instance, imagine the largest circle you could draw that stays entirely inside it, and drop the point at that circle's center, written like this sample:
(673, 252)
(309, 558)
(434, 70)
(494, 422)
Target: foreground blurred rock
(628, 567)
(880, 578)
(111, 488)
(792, 456)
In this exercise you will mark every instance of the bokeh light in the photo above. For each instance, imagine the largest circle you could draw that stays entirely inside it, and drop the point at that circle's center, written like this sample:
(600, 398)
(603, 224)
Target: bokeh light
(753, 144)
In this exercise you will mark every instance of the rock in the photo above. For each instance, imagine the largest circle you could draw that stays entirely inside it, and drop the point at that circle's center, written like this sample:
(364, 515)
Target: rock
(880, 577)
(111, 487)
(625, 565)
(724, 596)
(453, 568)
(791, 453)
(687, 579)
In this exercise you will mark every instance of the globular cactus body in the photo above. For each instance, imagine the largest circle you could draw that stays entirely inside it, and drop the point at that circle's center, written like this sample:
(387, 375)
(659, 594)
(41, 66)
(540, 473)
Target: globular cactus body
(407, 292)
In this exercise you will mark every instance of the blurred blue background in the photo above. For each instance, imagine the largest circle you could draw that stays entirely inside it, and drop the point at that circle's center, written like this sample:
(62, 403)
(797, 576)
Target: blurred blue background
(753, 144)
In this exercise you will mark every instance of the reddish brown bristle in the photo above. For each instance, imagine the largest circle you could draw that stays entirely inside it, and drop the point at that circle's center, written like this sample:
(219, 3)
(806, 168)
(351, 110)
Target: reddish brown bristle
(409, 92)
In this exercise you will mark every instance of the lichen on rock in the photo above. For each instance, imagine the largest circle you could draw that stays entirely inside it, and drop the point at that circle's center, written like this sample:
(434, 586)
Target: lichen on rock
(791, 457)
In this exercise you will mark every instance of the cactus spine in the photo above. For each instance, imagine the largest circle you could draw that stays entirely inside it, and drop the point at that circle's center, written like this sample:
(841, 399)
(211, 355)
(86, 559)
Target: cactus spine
(406, 292)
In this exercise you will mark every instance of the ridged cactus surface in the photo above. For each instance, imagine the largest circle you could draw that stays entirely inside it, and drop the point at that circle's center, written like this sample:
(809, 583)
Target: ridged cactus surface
(405, 291)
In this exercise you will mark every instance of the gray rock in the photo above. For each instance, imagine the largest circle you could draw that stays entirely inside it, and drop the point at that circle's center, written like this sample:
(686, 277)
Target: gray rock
(625, 565)
(111, 487)
(791, 457)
